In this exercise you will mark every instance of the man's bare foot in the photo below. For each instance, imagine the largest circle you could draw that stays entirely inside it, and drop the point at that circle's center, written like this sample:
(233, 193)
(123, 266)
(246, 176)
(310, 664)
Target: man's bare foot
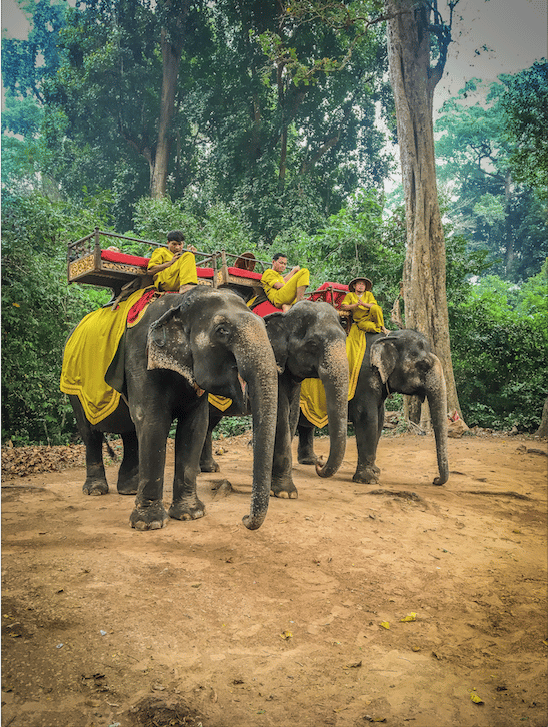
(385, 330)
(285, 308)
(184, 288)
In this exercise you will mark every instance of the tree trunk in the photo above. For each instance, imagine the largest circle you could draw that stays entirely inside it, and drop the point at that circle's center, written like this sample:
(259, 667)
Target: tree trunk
(171, 57)
(542, 431)
(413, 81)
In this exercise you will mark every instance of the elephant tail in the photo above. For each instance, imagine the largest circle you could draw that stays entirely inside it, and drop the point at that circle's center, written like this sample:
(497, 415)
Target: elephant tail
(111, 453)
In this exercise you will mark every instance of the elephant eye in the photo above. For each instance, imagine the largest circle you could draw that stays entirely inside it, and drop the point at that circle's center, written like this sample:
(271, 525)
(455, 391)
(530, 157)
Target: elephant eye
(222, 330)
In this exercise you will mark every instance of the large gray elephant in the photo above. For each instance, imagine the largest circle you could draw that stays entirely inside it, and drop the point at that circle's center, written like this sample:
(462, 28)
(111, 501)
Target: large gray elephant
(308, 342)
(185, 344)
(399, 362)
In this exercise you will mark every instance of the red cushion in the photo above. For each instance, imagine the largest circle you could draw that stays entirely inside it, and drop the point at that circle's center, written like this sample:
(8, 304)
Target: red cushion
(122, 257)
(339, 291)
(263, 309)
(240, 273)
(204, 272)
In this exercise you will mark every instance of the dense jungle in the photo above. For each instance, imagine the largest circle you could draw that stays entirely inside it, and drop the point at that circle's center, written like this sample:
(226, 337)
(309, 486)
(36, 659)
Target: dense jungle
(269, 127)
(272, 143)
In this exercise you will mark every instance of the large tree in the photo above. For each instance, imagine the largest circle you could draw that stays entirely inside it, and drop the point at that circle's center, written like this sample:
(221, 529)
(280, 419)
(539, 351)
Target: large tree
(417, 49)
(118, 93)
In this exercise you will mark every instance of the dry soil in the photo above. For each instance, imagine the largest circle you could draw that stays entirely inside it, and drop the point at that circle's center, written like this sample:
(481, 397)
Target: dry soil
(401, 603)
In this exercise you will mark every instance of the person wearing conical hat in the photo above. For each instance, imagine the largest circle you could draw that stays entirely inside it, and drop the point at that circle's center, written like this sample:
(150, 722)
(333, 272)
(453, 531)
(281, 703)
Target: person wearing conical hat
(360, 301)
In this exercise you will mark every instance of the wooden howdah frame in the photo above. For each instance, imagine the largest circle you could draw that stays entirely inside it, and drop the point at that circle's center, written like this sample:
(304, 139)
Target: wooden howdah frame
(91, 264)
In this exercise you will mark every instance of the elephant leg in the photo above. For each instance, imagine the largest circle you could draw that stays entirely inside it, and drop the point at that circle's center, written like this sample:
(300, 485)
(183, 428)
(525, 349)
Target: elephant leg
(368, 425)
(207, 463)
(152, 431)
(128, 474)
(282, 482)
(305, 450)
(96, 481)
(189, 442)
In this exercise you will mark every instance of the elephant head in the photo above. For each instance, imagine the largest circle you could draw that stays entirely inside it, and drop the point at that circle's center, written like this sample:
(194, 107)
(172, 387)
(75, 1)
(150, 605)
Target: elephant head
(309, 342)
(407, 365)
(214, 341)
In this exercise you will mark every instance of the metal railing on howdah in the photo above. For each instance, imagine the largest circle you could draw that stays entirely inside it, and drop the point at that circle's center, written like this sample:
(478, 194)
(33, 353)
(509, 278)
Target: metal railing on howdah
(92, 244)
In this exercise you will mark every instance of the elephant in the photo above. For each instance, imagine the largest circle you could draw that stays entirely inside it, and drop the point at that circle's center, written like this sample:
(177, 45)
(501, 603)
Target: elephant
(185, 344)
(398, 362)
(308, 342)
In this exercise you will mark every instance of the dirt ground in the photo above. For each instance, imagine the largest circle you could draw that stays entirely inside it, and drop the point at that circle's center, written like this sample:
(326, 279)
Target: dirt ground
(302, 622)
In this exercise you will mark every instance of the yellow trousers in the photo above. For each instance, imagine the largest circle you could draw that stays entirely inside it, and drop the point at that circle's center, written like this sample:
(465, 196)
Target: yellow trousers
(371, 322)
(288, 294)
(182, 271)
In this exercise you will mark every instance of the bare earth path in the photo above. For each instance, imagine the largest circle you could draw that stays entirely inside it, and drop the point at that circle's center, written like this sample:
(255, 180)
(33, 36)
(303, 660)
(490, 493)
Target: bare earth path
(207, 623)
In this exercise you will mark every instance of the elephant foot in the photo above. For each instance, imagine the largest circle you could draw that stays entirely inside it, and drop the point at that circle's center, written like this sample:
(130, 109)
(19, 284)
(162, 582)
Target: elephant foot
(188, 509)
(128, 486)
(306, 458)
(284, 489)
(95, 487)
(209, 466)
(367, 475)
(148, 517)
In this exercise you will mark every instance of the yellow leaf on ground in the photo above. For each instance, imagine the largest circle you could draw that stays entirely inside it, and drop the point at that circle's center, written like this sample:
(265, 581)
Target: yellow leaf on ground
(286, 635)
(476, 698)
(410, 617)
(385, 624)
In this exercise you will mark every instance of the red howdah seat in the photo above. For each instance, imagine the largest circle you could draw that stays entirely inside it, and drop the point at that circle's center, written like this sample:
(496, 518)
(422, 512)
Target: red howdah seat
(114, 269)
(330, 293)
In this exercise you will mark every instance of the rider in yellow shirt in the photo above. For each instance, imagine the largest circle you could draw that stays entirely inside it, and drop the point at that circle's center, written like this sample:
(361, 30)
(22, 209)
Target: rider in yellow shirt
(360, 301)
(172, 269)
(284, 290)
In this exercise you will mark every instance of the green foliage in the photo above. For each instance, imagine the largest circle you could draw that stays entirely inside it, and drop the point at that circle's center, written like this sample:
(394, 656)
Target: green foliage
(356, 241)
(477, 164)
(525, 102)
(232, 427)
(39, 310)
(499, 341)
(214, 228)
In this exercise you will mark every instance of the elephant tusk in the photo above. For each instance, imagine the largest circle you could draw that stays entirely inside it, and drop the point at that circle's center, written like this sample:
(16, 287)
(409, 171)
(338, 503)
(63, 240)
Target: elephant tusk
(197, 389)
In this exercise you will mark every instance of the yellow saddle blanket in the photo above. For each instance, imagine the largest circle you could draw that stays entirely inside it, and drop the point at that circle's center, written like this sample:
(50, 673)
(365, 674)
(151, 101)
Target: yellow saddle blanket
(313, 404)
(88, 354)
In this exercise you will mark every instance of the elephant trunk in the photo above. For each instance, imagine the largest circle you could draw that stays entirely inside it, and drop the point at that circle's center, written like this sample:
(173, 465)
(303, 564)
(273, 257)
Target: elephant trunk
(437, 401)
(334, 376)
(257, 366)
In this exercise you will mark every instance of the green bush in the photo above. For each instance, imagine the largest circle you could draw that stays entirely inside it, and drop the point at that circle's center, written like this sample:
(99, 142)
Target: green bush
(39, 309)
(499, 343)
(232, 427)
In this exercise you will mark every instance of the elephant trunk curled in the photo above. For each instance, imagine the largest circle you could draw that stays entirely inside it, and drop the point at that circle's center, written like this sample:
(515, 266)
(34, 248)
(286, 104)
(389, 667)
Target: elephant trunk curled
(334, 376)
(257, 366)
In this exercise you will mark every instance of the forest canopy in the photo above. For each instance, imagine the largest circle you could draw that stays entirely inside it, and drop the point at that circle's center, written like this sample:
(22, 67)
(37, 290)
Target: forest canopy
(259, 154)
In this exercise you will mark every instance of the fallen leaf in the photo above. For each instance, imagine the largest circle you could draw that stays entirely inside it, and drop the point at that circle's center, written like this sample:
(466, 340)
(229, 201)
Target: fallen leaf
(476, 698)
(286, 635)
(410, 617)
(385, 624)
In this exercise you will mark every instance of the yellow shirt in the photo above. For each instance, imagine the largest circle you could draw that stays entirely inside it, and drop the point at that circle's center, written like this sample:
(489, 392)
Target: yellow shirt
(352, 299)
(268, 279)
(160, 256)
(182, 271)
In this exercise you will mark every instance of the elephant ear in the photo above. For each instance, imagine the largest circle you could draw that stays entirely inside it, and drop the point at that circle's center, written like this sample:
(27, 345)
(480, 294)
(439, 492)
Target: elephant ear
(384, 356)
(168, 344)
(279, 337)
